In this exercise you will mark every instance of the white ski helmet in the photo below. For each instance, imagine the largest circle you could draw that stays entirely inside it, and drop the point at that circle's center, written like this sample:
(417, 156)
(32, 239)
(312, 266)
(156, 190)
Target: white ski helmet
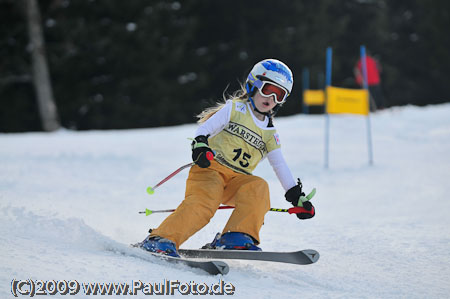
(270, 70)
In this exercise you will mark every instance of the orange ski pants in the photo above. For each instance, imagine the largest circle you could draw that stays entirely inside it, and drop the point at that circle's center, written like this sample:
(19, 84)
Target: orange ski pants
(206, 189)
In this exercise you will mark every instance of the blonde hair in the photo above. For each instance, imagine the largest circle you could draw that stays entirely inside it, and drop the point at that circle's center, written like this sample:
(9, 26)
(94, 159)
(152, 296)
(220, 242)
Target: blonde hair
(208, 112)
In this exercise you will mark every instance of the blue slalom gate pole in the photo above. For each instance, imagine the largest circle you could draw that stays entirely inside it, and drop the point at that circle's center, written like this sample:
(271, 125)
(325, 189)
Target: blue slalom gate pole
(329, 55)
(305, 77)
(366, 87)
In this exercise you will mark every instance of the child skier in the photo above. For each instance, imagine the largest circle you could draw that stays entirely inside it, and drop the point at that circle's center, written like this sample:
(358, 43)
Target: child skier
(239, 133)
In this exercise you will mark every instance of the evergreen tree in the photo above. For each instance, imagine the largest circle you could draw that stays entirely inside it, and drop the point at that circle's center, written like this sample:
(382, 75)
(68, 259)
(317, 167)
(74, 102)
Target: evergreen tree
(130, 64)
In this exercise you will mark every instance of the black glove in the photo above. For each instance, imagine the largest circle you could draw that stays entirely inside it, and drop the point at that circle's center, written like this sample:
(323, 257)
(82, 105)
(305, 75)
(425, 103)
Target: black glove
(293, 196)
(201, 152)
(308, 212)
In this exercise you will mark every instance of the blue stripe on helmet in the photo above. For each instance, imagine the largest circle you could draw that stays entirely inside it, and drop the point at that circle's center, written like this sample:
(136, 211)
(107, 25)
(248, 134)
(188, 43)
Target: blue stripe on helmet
(277, 67)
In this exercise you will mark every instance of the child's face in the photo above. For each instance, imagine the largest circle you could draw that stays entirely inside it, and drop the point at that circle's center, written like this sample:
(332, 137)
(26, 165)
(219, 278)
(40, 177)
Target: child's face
(263, 103)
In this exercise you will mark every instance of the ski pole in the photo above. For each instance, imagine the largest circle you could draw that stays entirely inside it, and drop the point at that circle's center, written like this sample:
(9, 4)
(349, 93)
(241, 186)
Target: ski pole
(151, 190)
(149, 212)
(293, 210)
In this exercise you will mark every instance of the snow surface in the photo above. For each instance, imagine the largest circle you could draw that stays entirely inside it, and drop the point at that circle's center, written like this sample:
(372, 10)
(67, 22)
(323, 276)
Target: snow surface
(69, 205)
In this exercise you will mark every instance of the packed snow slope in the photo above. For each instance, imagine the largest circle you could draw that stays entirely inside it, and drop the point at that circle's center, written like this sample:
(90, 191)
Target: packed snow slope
(69, 204)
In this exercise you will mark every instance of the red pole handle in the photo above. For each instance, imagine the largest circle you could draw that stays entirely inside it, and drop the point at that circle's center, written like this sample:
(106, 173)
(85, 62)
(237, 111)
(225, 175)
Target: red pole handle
(209, 156)
(296, 210)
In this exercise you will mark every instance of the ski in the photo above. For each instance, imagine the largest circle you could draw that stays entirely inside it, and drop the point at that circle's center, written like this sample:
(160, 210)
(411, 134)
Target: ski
(211, 267)
(302, 257)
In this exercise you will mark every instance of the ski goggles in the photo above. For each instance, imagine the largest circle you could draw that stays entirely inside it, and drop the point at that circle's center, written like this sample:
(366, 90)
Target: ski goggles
(268, 88)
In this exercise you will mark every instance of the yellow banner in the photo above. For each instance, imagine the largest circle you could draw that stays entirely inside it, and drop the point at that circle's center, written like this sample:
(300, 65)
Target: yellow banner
(313, 97)
(345, 100)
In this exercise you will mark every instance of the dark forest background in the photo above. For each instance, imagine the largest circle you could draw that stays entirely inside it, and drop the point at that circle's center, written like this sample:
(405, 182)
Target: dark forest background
(134, 64)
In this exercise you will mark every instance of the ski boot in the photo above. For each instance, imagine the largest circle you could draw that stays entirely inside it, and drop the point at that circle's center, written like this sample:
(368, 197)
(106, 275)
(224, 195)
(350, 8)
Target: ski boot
(159, 245)
(232, 241)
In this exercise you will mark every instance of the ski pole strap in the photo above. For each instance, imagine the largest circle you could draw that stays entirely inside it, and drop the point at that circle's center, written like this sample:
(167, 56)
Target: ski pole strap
(196, 144)
(199, 144)
(306, 198)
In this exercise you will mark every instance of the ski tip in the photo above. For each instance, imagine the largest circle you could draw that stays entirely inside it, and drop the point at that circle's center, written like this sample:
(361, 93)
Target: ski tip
(222, 267)
(136, 245)
(312, 255)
